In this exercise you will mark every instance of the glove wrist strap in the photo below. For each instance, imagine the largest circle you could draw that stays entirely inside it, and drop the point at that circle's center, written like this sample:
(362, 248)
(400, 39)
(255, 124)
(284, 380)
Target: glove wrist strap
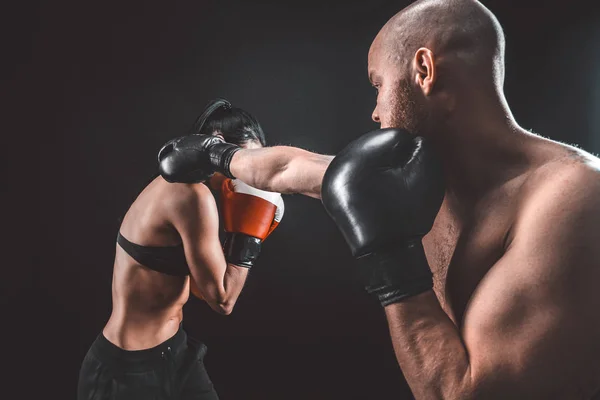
(394, 274)
(241, 249)
(221, 155)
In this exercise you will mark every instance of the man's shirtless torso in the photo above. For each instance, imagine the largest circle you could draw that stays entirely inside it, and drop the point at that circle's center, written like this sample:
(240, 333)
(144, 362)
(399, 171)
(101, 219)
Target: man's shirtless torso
(464, 245)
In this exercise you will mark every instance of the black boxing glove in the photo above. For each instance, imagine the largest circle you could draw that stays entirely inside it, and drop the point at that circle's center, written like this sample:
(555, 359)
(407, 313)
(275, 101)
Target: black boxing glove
(194, 158)
(384, 191)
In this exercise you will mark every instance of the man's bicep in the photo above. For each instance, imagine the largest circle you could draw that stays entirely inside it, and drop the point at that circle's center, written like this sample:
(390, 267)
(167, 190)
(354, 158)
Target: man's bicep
(510, 326)
(533, 313)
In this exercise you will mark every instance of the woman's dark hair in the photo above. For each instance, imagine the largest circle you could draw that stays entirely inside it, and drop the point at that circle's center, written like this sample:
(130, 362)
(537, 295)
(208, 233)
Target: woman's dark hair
(236, 125)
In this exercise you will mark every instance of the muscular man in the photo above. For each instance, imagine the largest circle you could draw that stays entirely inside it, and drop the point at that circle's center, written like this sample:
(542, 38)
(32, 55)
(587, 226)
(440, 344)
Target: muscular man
(168, 244)
(512, 246)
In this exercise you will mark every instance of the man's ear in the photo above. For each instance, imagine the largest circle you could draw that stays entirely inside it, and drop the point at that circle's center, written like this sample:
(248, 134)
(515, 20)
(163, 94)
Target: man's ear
(425, 70)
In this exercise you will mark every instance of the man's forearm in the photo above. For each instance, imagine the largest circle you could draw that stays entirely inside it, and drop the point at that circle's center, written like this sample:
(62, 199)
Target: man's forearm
(429, 349)
(281, 169)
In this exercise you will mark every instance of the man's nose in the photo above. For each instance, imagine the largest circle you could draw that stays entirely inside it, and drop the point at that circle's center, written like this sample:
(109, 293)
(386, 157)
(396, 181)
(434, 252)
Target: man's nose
(375, 116)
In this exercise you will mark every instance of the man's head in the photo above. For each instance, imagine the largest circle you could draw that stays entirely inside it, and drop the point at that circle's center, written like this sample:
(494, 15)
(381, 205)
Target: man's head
(233, 124)
(431, 55)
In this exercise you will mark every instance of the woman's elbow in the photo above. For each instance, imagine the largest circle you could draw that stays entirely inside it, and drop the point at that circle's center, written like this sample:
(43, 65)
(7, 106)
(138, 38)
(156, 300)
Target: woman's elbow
(225, 308)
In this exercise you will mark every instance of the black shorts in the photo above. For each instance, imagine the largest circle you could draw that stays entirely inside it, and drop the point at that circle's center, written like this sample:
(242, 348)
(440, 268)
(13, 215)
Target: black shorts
(172, 370)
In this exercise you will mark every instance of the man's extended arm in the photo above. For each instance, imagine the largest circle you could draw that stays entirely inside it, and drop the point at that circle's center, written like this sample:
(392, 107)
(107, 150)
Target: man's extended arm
(281, 169)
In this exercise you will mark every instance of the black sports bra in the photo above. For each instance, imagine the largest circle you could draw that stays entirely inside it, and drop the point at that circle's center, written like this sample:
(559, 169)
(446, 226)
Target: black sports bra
(169, 260)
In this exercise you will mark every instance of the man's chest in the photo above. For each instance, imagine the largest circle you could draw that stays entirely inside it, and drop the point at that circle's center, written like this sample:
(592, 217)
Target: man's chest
(460, 252)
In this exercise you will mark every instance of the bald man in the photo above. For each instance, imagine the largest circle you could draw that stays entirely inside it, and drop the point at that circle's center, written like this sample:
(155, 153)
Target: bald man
(512, 312)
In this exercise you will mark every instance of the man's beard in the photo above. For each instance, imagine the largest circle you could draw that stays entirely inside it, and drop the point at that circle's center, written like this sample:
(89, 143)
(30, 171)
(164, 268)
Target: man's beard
(406, 112)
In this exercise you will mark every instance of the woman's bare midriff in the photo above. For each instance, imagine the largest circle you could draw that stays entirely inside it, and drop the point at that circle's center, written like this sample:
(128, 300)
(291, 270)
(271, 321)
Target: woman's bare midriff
(147, 305)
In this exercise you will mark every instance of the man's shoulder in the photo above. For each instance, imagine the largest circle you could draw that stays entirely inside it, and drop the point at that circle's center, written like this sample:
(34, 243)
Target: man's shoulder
(556, 222)
(575, 173)
(567, 185)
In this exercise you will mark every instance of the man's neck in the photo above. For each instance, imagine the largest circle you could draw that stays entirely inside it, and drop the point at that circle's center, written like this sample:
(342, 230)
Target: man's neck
(481, 154)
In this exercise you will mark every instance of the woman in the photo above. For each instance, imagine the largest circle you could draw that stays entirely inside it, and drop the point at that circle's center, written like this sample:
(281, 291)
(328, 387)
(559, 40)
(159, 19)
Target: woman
(168, 245)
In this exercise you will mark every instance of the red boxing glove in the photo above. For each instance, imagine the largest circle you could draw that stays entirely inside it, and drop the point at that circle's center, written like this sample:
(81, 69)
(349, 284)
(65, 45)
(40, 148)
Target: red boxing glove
(249, 215)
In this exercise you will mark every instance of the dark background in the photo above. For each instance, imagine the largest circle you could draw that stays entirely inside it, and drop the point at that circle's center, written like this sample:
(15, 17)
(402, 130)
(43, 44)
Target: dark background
(93, 89)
